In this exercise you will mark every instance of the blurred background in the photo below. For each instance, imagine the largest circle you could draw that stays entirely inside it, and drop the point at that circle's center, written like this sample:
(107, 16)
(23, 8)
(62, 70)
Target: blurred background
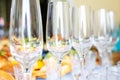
(113, 5)
(5, 6)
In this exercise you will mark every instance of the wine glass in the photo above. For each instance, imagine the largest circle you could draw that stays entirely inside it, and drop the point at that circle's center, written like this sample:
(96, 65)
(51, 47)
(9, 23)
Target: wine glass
(102, 32)
(113, 39)
(113, 30)
(82, 31)
(96, 56)
(100, 27)
(26, 36)
(58, 33)
(105, 34)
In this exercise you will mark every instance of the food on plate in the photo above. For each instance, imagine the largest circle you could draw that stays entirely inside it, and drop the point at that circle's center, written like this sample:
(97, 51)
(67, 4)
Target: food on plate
(40, 67)
(41, 73)
(5, 76)
(4, 48)
(3, 61)
(6, 65)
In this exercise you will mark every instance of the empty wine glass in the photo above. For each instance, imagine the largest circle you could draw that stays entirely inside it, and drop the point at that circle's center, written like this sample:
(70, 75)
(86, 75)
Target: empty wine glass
(111, 37)
(100, 33)
(113, 30)
(112, 44)
(100, 27)
(96, 56)
(58, 33)
(105, 29)
(26, 36)
(82, 31)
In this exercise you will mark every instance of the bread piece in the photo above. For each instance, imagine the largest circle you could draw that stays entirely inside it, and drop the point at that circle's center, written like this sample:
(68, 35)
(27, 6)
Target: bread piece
(115, 58)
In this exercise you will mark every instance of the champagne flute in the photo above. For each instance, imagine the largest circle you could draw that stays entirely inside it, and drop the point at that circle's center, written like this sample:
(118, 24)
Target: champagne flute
(58, 33)
(26, 36)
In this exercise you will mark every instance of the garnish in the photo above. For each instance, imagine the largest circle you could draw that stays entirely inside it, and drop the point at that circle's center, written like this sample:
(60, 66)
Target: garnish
(73, 51)
(2, 53)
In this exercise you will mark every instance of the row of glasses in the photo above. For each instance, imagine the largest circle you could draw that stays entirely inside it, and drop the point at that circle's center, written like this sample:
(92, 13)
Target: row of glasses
(94, 35)
(26, 35)
(106, 38)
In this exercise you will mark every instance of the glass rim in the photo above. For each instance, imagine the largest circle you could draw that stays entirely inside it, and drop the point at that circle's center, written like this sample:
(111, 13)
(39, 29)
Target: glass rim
(101, 10)
(61, 3)
(81, 6)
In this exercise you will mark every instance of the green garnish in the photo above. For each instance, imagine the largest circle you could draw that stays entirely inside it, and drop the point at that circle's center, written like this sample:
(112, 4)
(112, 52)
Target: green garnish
(73, 52)
(2, 53)
(40, 58)
(26, 40)
(48, 55)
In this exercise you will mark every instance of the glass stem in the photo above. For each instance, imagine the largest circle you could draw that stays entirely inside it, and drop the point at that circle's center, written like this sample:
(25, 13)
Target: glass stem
(59, 74)
(27, 73)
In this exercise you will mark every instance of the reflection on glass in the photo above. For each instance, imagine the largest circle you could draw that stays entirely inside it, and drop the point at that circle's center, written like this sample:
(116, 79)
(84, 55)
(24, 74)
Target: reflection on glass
(26, 37)
(58, 33)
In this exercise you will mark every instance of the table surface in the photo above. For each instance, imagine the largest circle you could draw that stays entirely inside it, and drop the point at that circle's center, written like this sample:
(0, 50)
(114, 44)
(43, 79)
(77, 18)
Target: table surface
(66, 77)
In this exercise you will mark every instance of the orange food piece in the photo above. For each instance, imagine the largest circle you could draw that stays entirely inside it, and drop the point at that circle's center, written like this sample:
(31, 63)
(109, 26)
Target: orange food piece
(115, 58)
(5, 76)
(3, 61)
(5, 64)
(59, 37)
(40, 73)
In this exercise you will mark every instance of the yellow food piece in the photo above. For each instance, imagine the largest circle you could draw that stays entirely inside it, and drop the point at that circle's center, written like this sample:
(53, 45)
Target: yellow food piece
(67, 61)
(38, 65)
(13, 61)
(66, 69)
